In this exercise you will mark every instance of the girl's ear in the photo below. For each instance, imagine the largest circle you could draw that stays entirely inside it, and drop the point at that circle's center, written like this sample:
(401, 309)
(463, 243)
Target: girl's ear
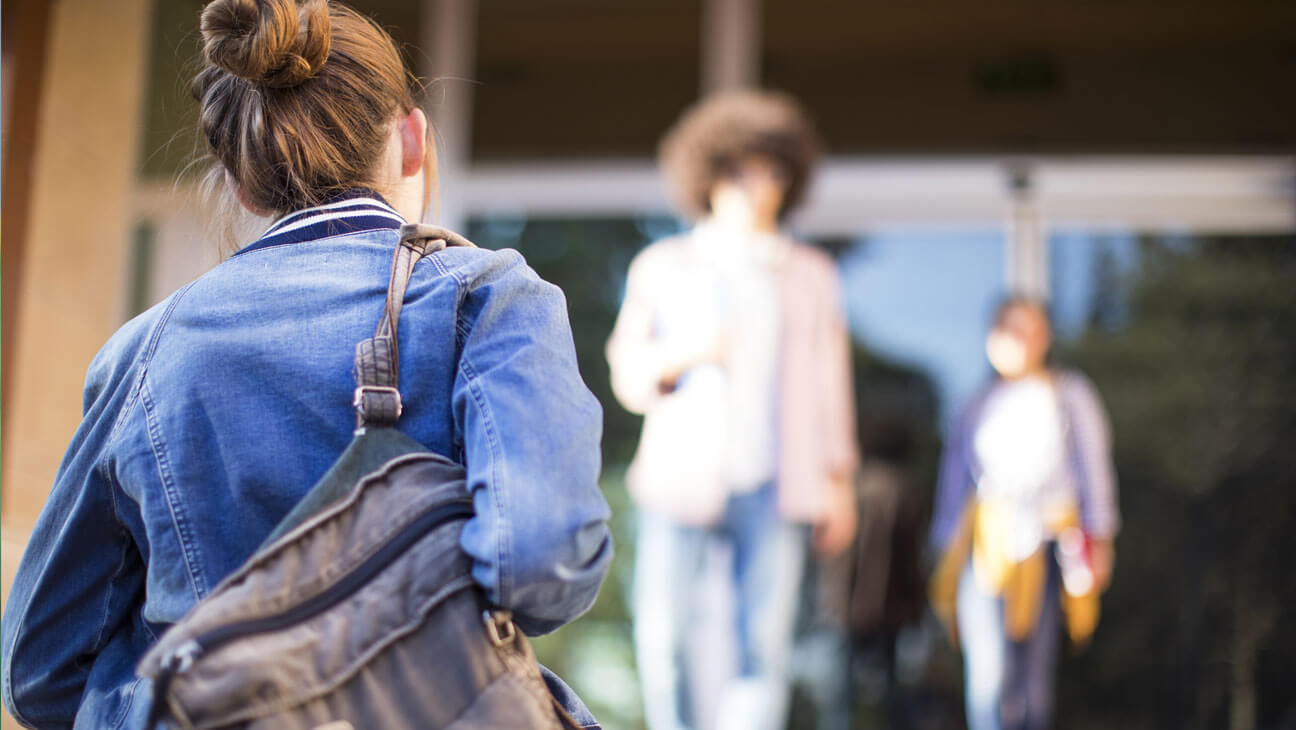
(413, 134)
(242, 196)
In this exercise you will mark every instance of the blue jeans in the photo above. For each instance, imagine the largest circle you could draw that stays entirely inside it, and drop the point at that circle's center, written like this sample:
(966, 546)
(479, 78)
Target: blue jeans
(768, 562)
(1008, 684)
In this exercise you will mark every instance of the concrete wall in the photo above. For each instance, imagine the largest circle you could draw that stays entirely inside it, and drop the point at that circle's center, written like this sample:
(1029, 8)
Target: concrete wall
(70, 291)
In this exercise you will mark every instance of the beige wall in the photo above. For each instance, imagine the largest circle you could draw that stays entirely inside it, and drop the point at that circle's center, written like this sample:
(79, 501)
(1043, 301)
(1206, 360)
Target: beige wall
(71, 294)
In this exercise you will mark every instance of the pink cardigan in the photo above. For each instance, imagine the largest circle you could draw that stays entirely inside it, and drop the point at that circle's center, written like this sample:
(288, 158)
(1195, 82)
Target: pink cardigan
(816, 395)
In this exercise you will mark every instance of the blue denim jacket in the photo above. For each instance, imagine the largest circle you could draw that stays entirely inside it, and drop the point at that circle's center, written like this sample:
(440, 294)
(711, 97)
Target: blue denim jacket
(207, 417)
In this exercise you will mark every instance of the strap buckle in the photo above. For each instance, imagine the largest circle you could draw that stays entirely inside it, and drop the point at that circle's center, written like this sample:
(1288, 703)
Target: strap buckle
(499, 627)
(359, 400)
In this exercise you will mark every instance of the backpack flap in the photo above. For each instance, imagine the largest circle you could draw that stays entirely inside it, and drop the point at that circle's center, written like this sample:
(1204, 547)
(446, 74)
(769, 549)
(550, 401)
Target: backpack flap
(304, 615)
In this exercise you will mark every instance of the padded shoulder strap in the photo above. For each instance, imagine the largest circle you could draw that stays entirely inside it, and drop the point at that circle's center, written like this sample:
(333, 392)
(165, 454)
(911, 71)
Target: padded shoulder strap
(377, 359)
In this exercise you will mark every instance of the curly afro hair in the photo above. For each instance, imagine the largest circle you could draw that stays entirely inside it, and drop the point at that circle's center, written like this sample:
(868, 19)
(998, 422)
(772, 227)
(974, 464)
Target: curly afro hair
(713, 137)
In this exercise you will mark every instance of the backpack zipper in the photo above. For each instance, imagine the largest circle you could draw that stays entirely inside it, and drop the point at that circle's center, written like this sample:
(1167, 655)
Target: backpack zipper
(180, 658)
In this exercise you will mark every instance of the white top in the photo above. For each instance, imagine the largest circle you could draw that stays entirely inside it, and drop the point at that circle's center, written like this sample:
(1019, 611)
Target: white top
(733, 296)
(1020, 445)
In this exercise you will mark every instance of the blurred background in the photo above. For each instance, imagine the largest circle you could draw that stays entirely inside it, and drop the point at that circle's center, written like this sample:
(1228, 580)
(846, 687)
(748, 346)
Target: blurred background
(1133, 161)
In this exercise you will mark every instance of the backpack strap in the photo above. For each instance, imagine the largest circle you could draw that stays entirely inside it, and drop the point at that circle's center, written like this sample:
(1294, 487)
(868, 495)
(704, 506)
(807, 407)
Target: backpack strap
(377, 360)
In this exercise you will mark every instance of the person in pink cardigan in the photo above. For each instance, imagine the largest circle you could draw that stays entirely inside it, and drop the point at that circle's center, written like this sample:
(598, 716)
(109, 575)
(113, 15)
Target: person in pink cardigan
(732, 343)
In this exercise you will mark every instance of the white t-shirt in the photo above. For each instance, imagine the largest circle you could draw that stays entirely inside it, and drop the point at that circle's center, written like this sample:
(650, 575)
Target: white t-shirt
(733, 294)
(1020, 445)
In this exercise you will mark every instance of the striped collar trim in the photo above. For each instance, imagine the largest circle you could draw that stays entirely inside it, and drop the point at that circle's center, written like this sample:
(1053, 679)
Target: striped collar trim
(353, 211)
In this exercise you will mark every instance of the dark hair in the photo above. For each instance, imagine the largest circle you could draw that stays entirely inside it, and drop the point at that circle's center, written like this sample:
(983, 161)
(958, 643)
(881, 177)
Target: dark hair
(1013, 301)
(297, 98)
(714, 136)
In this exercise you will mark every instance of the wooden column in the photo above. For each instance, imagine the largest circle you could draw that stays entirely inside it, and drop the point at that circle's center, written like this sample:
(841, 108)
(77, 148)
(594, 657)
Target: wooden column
(65, 294)
(449, 40)
(731, 45)
(25, 26)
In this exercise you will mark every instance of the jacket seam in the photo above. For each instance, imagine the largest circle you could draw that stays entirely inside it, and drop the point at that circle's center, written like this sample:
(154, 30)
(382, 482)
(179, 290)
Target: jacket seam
(148, 629)
(440, 265)
(455, 273)
(461, 334)
(179, 516)
(121, 565)
(11, 701)
(503, 545)
(146, 357)
(458, 440)
(124, 711)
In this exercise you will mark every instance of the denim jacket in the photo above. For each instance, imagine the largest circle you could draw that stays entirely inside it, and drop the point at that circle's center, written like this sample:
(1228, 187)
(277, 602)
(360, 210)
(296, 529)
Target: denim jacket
(207, 417)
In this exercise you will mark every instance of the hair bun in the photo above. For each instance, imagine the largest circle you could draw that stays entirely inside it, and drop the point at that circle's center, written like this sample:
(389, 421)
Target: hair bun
(274, 43)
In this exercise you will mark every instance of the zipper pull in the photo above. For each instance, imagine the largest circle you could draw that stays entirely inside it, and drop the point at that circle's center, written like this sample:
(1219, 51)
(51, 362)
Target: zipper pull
(182, 657)
(174, 663)
(499, 626)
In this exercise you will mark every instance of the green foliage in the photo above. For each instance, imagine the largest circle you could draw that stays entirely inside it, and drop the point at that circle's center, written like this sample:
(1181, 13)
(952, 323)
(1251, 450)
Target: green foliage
(1194, 355)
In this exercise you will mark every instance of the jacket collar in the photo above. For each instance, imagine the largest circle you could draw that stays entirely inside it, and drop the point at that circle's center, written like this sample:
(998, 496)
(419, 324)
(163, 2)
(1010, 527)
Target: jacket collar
(351, 211)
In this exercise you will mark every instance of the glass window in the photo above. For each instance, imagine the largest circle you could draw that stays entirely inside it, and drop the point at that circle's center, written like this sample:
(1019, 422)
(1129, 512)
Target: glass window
(1188, 338)
(923, 297)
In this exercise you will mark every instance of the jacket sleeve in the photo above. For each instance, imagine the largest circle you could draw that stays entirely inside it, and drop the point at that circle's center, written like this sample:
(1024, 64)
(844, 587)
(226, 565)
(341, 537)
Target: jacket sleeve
(78, 581)
(1091, 445)
(531, 431)
(953, 484)
(637, 359)
(842, 446)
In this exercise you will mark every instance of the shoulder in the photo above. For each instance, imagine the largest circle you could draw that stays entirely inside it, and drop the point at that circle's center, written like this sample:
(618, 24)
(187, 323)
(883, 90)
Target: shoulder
(661, 254)
(126, 351)
(477, 267)
(1076, 386)
(966, 418)
(1081, 398)
(810, 257)
(671, 246)
(501, 278)
(812, 265)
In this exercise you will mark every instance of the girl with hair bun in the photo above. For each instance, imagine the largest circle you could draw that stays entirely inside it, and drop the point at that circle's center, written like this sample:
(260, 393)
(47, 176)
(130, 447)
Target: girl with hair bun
(207, 417)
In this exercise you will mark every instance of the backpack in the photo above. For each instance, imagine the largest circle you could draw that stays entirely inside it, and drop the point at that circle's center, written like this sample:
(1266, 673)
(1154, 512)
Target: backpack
(359, 611)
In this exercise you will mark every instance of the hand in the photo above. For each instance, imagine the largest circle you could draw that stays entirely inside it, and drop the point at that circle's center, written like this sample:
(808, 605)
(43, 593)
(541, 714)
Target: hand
(710, 349)
(836, 528)
(1102, 554)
